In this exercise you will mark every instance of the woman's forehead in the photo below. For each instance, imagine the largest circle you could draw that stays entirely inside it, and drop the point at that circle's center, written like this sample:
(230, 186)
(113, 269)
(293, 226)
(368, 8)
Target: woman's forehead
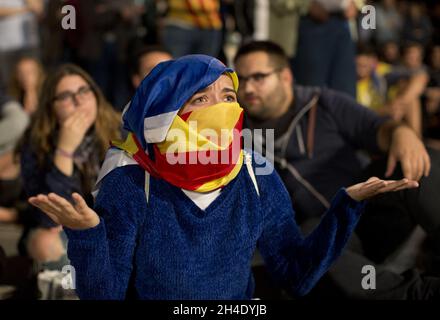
(224, 81)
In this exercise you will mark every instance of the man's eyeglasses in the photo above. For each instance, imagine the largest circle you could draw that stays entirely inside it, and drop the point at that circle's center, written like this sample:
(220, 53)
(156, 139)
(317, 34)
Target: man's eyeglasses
(67, 96)
(257, 77)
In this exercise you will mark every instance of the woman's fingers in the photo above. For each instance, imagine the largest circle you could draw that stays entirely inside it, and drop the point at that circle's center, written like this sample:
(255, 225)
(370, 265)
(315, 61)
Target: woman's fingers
(420, 167)
(80, 204)
(71, 119)
(400, 185)
(77, 118)
(370, 189)
(372, 179)
(45, 208)
(61, 203)
(54, 205)
(390, 185)
(372, 186)
(45, 200)
(427, 164)
(407, 168)
(365, 190)
(78, 216)
(411, 185)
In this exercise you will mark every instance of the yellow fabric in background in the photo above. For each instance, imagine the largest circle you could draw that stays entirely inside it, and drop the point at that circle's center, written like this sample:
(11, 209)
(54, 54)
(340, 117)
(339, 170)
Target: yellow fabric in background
(204, 14)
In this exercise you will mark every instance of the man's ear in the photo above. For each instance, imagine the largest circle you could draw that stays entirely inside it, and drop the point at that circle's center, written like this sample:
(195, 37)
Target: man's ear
(136, 81)
(287, 76)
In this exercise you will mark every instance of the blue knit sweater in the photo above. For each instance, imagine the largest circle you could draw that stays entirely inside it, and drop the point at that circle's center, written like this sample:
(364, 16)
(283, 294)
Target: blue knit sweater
(171, 249)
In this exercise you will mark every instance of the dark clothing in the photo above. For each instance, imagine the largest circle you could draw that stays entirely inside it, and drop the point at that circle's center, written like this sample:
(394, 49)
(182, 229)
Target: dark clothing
(12, 195)
(47, 178)
(434, 78)
(20, 273)
(326, 55)
(342, 127)
(419, 31)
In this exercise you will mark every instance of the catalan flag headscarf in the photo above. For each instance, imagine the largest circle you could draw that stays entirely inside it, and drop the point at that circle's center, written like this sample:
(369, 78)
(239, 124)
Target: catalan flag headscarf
(199, 150)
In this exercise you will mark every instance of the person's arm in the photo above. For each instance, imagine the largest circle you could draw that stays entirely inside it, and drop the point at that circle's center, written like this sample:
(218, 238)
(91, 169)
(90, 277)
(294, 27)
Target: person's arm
(416, 86)
(8, 215)
(5, 11)
(101, 248)
(406, 105)
(364, 129)
(403, 145)
(34, 6)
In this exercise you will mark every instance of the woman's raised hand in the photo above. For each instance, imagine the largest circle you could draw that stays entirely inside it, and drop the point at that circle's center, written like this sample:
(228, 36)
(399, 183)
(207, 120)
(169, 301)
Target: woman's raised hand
(375, 186)
(78, 216)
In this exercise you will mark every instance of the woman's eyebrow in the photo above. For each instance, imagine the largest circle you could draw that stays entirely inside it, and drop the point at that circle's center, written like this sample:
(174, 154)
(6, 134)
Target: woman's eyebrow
(201, 91)
(228, 90)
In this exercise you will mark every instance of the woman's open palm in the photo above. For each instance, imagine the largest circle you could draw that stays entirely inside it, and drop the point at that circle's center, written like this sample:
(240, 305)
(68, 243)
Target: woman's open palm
(78, 216)
(375, 186)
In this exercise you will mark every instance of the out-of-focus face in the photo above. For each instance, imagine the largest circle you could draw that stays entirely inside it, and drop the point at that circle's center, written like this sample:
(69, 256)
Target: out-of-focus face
(264, 91)
(28, 74)
(72, 93)
(415, 10)
(364, 66)
(389, 3)
(413, 57)
(146, 63)
(222, 90)
(391, 51)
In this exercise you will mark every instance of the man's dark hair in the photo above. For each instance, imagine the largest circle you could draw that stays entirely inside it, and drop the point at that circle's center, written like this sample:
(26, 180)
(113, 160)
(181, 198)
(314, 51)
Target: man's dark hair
(365, 50)
(412, 44)
(277, 55)
(142, 51)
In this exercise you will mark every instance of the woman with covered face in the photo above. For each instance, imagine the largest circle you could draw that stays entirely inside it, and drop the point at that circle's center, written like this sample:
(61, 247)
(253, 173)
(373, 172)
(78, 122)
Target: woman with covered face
(167, 224)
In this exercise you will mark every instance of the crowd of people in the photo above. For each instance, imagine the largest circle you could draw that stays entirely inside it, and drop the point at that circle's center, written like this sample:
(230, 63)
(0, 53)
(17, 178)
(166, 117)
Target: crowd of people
(345, 103)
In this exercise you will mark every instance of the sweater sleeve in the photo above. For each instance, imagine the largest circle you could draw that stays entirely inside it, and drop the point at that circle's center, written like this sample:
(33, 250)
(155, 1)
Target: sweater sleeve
(103, 256)
(44, 180)
(295, 261)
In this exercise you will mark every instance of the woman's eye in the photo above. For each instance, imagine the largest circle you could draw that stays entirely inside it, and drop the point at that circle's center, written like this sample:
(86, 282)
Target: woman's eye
(200, 100)
(230, 98)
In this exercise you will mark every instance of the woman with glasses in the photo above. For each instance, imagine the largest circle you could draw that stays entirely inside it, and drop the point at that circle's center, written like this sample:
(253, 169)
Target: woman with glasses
(63, 149)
